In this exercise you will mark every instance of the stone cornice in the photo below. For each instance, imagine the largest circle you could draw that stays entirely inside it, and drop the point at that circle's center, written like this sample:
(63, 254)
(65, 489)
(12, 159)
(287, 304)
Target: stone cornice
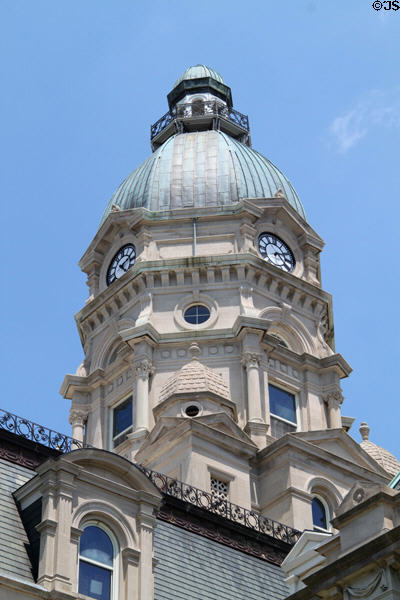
(19, 586)
(385, 496)
(253, 207)
(280, 448)
(223, 532)
(349, 564)
(304, 296)
(147, 332)
(197, 396)
(188, 428)
(289, 491)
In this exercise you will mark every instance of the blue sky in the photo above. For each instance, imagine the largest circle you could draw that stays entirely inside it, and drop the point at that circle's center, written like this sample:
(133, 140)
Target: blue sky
(81, 83)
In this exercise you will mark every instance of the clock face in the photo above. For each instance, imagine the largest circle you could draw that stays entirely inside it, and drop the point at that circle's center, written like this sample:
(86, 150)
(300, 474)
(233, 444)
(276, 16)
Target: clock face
(276, 252)
(122, 261)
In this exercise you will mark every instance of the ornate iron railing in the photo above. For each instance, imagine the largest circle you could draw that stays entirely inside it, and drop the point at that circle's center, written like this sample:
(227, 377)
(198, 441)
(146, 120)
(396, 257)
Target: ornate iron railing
(37, 433)
(167, 485)
(200, 109)
(220, 506)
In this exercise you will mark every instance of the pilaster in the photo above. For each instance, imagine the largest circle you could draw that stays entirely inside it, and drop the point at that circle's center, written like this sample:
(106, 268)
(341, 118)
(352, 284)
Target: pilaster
(146, 524)
(256, 426)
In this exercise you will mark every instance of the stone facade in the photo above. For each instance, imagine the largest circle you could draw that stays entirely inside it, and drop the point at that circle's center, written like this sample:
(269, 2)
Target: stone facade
(242, 403)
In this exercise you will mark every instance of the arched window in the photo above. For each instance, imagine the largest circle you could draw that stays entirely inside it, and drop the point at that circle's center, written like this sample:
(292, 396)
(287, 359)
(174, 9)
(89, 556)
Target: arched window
(97, 559)
(320, 514)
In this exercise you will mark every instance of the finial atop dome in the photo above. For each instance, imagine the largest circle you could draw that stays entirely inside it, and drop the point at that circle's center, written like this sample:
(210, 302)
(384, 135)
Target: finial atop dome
(364, 430)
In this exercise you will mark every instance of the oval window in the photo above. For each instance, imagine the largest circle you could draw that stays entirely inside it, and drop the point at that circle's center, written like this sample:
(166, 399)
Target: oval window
(196, 314)
(192, 410)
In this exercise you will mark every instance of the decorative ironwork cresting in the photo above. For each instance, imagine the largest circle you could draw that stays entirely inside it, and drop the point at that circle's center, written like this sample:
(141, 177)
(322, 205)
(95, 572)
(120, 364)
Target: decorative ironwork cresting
(198, 109)
(37, 433)
(223, 508)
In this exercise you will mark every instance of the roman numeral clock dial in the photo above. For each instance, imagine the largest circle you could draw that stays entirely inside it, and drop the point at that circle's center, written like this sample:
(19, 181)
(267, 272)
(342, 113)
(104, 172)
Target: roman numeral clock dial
(276, 252)
(122, 261)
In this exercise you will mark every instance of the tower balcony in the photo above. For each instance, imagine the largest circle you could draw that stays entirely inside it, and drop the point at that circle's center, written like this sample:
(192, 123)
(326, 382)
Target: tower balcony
(200, 116)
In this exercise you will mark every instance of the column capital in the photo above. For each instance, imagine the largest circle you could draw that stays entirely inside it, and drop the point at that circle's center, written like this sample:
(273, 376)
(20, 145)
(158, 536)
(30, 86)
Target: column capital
(333, 399)
(77, 417)
(251, 359)
(143, 368)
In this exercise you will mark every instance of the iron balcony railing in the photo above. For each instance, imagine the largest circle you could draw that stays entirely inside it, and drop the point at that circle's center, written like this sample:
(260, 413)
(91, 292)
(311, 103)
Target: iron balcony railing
(37, 433)
(166, 485)
(207, 108)
(221, 507)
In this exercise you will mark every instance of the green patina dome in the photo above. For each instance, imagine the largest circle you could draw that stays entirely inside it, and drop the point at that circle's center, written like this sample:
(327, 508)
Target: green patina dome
(197, 72)
(201, 169)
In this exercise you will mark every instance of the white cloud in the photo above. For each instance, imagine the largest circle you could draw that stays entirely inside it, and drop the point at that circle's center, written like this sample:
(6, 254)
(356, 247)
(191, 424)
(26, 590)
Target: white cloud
(378, 108)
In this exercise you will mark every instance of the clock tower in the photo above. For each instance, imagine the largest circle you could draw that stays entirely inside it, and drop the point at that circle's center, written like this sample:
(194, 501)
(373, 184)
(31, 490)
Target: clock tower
(208, 340)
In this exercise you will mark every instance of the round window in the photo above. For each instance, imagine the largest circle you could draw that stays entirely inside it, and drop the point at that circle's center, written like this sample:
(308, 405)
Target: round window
(192, 410)
(196, 314)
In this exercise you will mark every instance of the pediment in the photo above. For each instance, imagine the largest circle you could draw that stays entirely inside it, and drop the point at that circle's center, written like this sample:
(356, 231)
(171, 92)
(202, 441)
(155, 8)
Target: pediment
(218, 427)
(108, 466)
(307, 542)
(223, 423)
(341, 445)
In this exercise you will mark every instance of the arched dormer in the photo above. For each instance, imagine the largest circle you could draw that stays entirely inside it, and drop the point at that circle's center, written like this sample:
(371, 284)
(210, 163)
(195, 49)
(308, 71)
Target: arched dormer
(94, 488)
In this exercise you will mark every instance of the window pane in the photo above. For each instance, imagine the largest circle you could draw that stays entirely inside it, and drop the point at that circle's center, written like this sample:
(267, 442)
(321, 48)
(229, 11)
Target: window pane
(96, 544)
(279, 428)
(122, 417)
(197, 314)
(94, 581)
(318, 514)
(282, 404)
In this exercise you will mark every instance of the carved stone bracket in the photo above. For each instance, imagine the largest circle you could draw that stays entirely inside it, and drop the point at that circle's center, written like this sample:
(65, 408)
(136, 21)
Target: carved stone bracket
(246, 300)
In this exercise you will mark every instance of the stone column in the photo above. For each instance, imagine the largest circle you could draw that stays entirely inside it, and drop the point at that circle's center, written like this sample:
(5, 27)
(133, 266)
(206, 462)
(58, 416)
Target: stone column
(334, 400)
(77, 421)
(143, 369)
(256, 426)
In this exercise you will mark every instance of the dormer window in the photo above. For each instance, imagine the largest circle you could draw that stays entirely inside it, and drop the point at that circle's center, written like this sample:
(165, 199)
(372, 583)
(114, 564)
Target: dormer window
(320, 514)
(282, 406)
(96, 564)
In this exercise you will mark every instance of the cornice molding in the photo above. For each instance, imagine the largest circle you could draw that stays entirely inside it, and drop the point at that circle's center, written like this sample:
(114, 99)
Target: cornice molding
(305, 296)
(294, 442)
(254, 208)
